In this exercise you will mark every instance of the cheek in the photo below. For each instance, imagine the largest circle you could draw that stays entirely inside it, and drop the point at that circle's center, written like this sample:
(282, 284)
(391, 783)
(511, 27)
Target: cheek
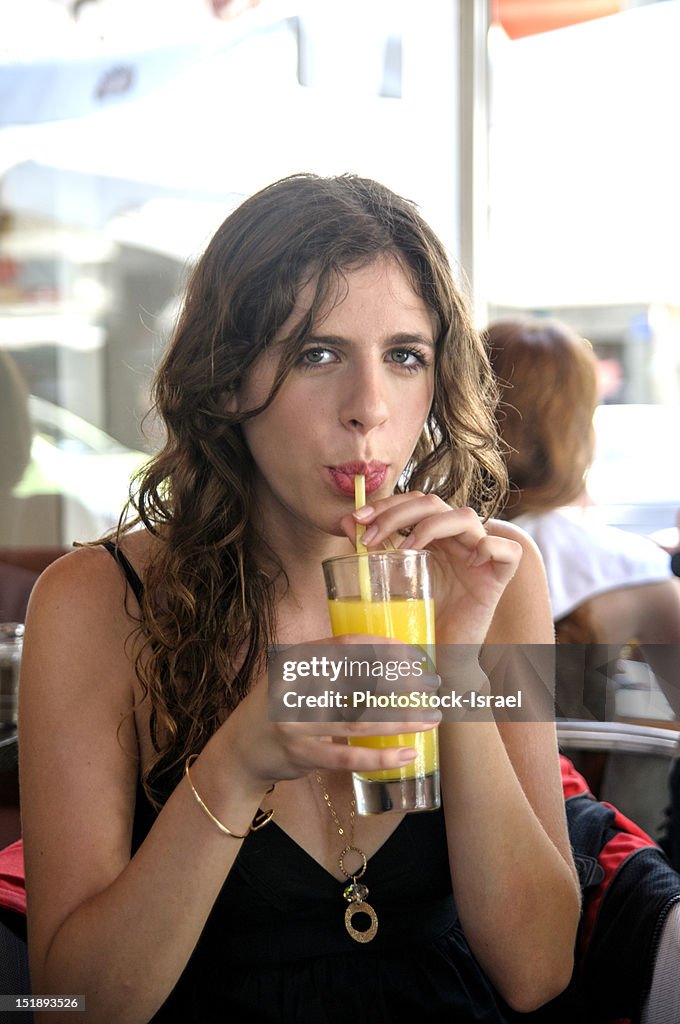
(276, 433)
(418, 409)
(257, 436)
(256, 386)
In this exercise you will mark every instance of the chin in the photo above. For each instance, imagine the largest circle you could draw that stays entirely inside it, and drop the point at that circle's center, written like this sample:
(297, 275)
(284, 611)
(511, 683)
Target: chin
(335, 531)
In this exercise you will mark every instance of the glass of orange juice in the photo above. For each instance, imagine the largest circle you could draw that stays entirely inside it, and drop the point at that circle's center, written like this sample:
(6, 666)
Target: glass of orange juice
(389, 593)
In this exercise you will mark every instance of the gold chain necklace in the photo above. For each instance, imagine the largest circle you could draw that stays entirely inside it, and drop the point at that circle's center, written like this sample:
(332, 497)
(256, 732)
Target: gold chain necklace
(355, 893)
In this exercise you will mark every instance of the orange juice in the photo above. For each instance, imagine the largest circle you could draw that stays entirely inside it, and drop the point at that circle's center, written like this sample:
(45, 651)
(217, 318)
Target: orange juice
(410, 620)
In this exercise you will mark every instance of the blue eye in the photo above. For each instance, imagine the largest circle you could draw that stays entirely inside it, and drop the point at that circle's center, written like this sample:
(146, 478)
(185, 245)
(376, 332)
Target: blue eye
(409, 358)
(315, 357)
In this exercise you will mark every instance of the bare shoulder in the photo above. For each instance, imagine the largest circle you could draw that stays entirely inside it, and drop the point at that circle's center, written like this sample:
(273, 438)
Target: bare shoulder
(650, 612)
(80, 629)
(523, 614)
(89, 580)
(79, 745)
(77, 568)
(501, 528)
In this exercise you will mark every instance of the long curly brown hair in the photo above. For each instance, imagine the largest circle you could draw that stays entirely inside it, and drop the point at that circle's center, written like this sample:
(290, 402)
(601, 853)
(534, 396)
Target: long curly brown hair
(208, 612)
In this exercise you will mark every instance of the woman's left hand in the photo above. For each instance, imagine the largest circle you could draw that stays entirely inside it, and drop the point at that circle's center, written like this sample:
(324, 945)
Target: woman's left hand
(473, 567)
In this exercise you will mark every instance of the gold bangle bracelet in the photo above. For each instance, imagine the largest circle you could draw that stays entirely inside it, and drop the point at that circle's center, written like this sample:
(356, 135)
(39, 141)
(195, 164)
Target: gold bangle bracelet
(261, 818)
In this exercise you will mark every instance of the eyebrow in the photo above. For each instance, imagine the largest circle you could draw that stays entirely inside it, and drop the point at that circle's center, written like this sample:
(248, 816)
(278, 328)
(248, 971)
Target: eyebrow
(404, 338)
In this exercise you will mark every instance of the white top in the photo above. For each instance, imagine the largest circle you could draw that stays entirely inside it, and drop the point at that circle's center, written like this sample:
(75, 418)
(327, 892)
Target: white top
(583, 558)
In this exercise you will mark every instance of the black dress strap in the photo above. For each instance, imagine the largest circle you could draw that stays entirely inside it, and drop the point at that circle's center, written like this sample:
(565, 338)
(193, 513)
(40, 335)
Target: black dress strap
(128, 570)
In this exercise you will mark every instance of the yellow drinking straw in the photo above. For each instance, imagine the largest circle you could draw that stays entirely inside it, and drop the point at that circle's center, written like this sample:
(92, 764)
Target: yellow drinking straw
(359, 502)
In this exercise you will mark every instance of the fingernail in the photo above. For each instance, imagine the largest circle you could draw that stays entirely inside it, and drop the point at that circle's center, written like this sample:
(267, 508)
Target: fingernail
(407, 541)
(364, 513)
(407, 753)
(370, 533)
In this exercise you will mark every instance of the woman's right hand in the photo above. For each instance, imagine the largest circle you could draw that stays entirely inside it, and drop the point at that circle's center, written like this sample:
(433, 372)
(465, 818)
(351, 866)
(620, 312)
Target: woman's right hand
(271, 750)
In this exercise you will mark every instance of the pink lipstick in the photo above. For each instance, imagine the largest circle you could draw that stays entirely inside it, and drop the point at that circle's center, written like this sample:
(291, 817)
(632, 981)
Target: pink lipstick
(342, 476)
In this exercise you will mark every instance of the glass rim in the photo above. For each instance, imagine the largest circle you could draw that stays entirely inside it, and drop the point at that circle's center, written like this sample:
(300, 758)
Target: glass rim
(375, 554)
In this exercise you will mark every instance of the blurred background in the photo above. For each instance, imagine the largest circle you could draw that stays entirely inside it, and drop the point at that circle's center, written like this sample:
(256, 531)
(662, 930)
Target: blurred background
(536, 135)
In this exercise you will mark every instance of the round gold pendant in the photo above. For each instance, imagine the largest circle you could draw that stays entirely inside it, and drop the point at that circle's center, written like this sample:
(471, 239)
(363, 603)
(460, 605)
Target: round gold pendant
(341, 862)
(361, 908)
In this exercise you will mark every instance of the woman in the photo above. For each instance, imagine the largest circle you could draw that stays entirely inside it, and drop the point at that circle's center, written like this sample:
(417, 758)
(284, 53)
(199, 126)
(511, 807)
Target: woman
(322, 335)
(607, 586)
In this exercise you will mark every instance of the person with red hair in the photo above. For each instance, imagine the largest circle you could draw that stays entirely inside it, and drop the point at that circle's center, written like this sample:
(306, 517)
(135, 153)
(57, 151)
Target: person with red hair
(607, 586)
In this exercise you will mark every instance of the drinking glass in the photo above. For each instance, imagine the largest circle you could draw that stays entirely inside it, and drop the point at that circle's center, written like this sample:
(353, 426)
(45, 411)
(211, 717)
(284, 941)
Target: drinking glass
(389, 594)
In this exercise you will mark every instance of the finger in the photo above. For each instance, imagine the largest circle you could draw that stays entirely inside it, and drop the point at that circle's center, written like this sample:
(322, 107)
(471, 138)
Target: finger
(400, 515)
(461, 524)
(334, 756)
(360, 728)
(496, 549)
(381, 505)
(367, 515)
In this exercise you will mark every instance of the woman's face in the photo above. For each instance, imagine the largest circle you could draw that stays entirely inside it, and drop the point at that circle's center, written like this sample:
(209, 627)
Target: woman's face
(355, 401)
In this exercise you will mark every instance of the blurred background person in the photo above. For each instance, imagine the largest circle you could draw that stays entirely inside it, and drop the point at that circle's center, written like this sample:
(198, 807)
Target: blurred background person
(607, 586)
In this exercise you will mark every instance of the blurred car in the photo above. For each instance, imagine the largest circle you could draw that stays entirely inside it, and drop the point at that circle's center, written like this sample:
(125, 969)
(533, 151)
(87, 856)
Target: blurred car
(78, 479)
(635, 477)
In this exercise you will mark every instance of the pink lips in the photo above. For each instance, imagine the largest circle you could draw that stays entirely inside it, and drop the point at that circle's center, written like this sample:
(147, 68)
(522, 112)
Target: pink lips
(342, 476)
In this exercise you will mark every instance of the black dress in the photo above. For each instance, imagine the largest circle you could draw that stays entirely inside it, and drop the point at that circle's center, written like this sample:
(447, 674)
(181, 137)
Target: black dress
(275, 949)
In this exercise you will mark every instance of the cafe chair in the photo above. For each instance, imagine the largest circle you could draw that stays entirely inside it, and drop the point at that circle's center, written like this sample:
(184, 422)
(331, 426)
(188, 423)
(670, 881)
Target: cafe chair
(628, 944)
(663, 1002)
(626, 764)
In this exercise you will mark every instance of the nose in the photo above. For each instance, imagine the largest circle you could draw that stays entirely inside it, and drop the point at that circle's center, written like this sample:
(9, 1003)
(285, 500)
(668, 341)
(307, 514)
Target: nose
(363, 402)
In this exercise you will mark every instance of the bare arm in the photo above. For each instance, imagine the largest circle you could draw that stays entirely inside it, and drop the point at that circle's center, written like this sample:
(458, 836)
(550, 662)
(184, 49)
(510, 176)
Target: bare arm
(650, 614)
(515, 883)
(119, 930)
(514, 878)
